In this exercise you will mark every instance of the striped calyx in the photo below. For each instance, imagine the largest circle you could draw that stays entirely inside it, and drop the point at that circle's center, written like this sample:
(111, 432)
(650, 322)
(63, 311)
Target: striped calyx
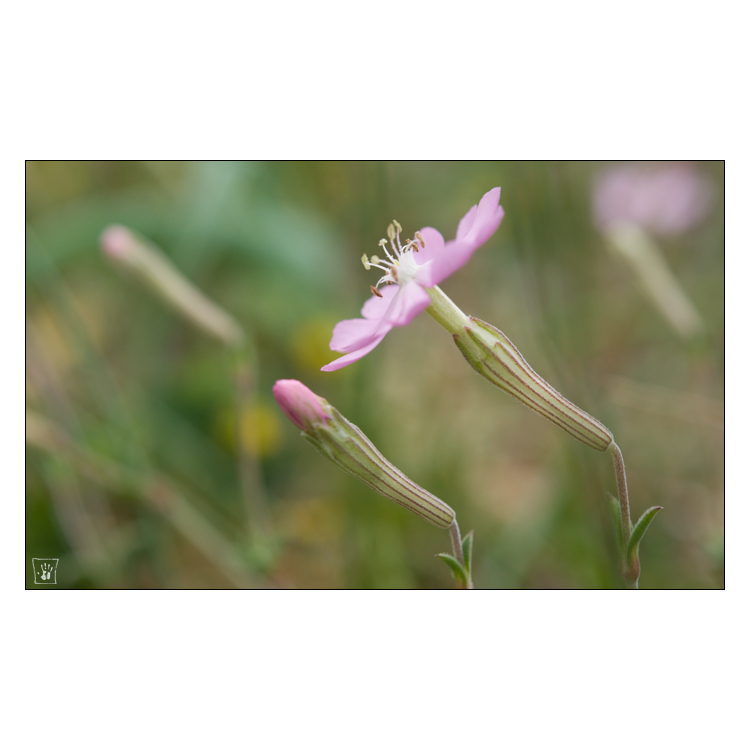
(349, 448)
(492, 354)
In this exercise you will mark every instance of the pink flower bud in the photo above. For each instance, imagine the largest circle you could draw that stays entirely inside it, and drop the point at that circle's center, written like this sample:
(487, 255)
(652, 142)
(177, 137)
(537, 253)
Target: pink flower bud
(335, 437)
(299, 403)
(141, 258)
(116, 241)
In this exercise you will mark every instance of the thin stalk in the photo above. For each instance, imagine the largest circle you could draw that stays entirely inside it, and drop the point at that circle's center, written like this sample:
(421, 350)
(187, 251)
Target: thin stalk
(630, 576)
(252, 487)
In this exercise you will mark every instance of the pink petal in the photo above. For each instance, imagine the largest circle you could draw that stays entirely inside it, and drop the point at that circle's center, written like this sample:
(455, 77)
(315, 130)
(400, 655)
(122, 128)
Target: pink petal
(365, 334)
(375, 307)
(410, 300)
(456, 254)
(477, 226)
(349, 335)
(465, 225)
(481, 222)
(434, 247)
(347, 359)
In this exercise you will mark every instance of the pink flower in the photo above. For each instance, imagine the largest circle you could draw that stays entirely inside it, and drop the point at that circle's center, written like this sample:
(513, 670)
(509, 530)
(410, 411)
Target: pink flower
(663, 198)
(412, 269)
(300, 404)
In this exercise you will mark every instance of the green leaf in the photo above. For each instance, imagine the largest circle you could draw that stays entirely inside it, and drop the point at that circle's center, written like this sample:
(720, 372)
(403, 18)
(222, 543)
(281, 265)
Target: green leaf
(455, 566)
(468, 547)
(639, 530)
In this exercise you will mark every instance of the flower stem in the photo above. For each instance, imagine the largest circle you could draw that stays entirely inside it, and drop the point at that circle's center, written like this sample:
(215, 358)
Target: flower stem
(629, 572)
(252, 487)
(445, 311)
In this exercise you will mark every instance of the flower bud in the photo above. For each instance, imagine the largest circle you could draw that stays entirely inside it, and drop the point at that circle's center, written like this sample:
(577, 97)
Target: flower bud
(492, 354)
(347, 446)
(137, 255)
(300, 404)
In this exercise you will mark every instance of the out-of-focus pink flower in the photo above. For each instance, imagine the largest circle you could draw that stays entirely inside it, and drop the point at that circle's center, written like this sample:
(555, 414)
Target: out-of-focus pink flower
(412, 268)
(663, 198)
(299, 403)
(116, 241)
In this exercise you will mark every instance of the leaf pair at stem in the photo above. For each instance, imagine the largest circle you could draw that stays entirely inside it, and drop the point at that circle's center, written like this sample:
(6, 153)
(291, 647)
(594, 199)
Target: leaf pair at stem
(460, 565)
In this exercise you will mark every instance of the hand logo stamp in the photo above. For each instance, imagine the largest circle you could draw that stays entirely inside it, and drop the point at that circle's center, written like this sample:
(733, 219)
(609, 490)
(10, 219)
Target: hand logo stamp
(45, 569)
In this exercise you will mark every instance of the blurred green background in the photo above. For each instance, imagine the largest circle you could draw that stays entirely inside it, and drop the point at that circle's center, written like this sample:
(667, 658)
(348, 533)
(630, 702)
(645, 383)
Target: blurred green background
(133, 464)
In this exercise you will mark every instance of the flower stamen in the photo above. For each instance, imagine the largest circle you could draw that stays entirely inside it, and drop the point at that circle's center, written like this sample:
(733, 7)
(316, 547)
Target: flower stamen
(400, 258)
(401, 250)
(383, 244)
(373, 262)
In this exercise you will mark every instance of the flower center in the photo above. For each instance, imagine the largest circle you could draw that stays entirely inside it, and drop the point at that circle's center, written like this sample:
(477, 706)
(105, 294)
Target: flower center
(401, 267)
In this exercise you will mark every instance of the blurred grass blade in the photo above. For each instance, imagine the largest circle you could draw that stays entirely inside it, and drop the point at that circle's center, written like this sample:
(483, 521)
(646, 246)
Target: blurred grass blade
(158, 491)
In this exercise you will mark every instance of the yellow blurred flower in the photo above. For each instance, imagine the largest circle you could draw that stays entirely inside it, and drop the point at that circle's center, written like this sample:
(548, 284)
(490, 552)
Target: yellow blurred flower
(260, 430)
(309, 345)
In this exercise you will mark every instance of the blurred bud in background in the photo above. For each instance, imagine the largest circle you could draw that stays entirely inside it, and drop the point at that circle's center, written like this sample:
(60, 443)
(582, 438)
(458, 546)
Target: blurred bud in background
(634, 201)
(127, 250)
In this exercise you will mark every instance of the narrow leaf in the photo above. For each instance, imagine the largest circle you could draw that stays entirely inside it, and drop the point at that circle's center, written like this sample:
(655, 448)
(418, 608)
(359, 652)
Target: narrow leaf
(468, 547)
(455, 566)
(640, 529)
